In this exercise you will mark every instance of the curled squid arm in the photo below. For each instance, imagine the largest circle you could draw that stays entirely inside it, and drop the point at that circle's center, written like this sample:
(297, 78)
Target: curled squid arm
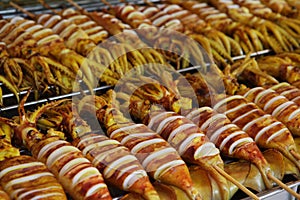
(10, 86)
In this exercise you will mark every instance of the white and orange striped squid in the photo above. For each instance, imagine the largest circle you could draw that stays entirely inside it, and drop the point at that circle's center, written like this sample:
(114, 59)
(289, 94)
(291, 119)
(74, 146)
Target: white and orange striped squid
(76, 174)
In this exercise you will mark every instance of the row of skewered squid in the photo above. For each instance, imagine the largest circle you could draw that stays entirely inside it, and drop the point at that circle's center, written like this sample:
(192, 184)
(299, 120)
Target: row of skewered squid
(112, 120)
(53, 54)
(85, 30)
(269, 132)
(139, 144)
(108, 155)
(139, 136)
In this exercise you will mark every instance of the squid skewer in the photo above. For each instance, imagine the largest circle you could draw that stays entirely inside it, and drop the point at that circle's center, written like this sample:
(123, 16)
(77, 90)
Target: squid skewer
(148, 33)
(79, 40)
(266, 131)
(66, 162)
(214, 124)
(140, 52)
(286, 111)
(291, 92)
(158, 158)
(249, 39)
(74, 37)
(17, 172)
(47, 43)
(167, 21)
(118, 166)
(233, 142)
(107, 53)
(290, 25)
(95, 32)
(186, 17)
(180, 132)
(277, 37)
(203, 154)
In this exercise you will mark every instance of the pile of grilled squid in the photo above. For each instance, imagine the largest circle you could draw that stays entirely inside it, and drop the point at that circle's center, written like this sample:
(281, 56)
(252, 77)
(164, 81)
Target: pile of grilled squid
(49, 52)
(239, 134)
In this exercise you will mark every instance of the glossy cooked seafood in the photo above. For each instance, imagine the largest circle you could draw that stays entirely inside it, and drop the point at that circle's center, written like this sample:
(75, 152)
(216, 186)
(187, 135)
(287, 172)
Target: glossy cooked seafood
(29, 38)
(288, 112)
(76, 173)
(17, 173)
(267, 132)
(279, 38)
(263, 128)
(118, 166)
(169, 21)
(291, 92)
(23, 177)
(158, 158)
(248, 38)
(229, 138)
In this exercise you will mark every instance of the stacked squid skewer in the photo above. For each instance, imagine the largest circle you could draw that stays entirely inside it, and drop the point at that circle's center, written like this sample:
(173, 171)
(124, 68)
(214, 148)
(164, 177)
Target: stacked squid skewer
(179, 131)
(139, 51)
(266, 130)
(276, 36)
(186, 17)
(33, 38)
(231, 140)
(68, 165)
(110, 54)
(120, 168)
(217, 42)
(76, 39)
(149, 32)
(291, 25)
(18, 171)
(248, 38)
(158, 158)
(279, 100)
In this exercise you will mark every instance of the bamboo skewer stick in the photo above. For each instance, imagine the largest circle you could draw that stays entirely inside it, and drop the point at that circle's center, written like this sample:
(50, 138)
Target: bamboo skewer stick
(78, 7)
(47, 6)
(283, 186)
(235, 182)
(31, 15)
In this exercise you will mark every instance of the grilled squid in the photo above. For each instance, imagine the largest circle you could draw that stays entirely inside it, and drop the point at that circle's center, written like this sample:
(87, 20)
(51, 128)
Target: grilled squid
(96, 33)
(118, 166)
(189, 141)
(158, 158)
(229, 138)
(25, 37)
(265, 130)
(76, 173)
(288, 112)
(291, 92)
(23, 177)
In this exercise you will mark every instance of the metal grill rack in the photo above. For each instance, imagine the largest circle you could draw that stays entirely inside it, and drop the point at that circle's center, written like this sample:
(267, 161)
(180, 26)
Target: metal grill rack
(10, 104)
